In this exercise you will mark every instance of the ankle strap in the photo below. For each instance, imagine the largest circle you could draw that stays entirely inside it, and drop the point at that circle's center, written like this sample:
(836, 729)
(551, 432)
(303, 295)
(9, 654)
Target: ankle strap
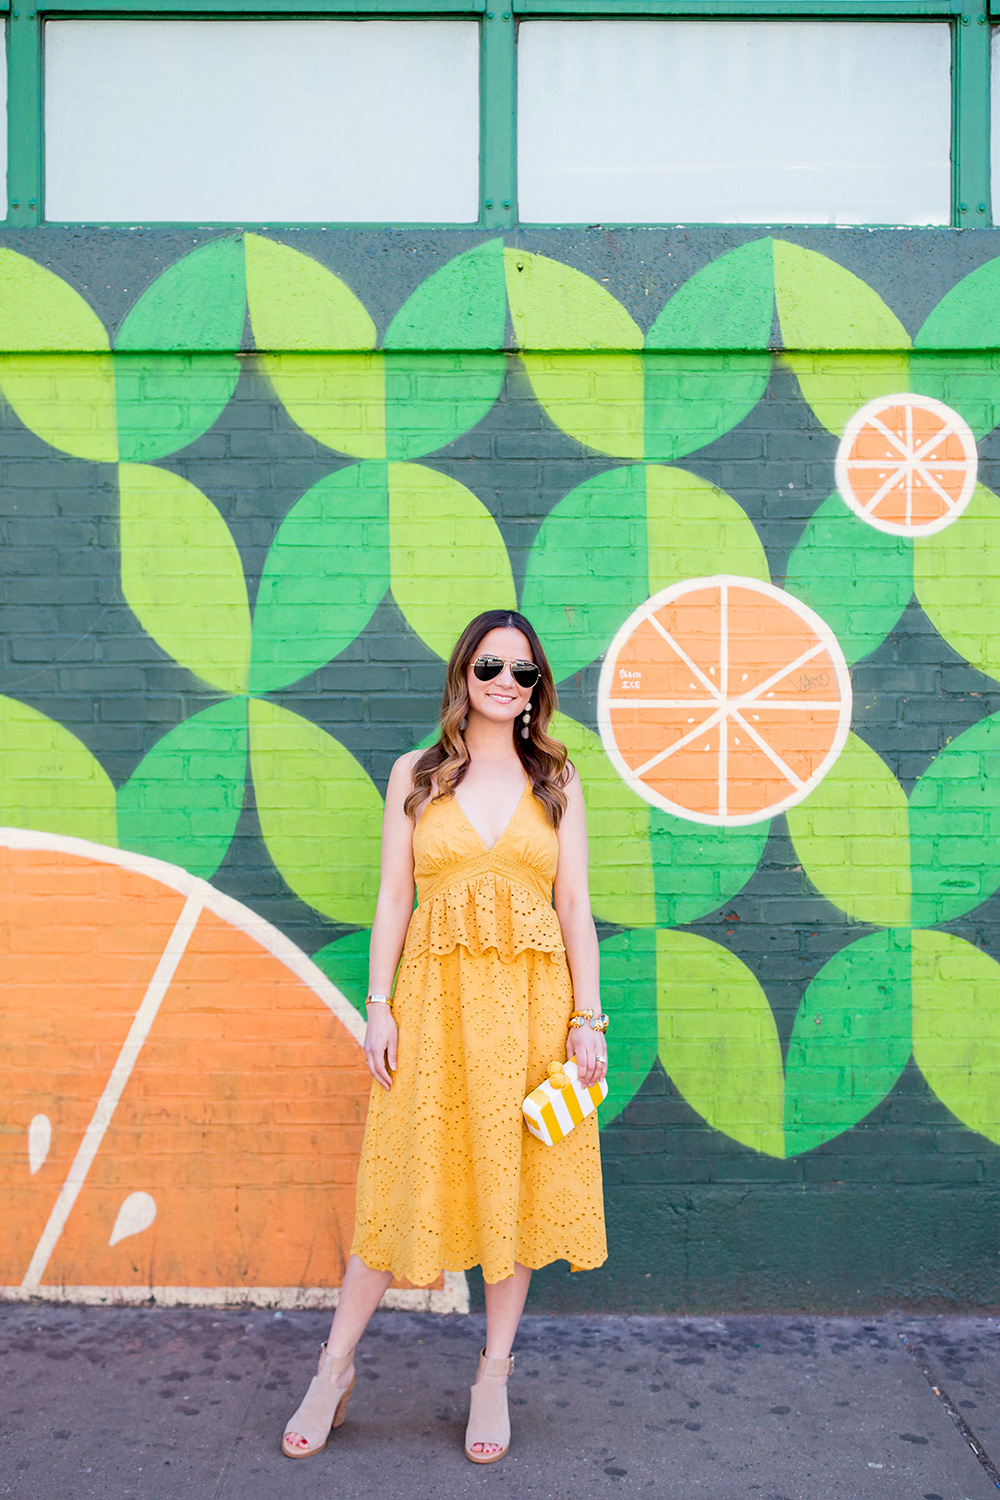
(495, 1366)
(334, 1365)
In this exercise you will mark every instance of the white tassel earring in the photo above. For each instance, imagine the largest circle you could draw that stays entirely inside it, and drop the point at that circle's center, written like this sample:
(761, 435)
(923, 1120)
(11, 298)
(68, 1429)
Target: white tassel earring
(526, 720)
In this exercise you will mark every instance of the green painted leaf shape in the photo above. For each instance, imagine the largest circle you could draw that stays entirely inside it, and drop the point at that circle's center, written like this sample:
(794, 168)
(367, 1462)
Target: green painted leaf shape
(728, 304)
(587, 568)
(718, 1042)
(51, 782)
(183, 801)
(182, 575)
(850, 1041)
(968, 316)
(345, 963)
(554, 306)
(339, 399)
(448, 559)
(432, 399)
(695, 530)
(68, 400)
(696, 868)
(296, 303)
(822, 309)
(956, 1027)
(596, 398)
(165, 401)
(955, 826)
(320, 813)
(628, 988)
(852, 835)
(326, 571)
(969, 383)
(621, 872)
(692, 399)
(41, 312)
(462, 306)
(197, 304)
(859, 580)
(956, 574)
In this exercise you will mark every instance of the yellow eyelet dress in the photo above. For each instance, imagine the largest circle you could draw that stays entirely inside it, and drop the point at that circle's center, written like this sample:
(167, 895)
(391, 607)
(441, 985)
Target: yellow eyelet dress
(449, 1176)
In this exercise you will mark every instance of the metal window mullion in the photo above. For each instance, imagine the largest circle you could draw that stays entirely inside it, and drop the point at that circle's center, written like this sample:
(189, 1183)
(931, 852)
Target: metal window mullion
(970, 174)
(24, 118)
(498, 122)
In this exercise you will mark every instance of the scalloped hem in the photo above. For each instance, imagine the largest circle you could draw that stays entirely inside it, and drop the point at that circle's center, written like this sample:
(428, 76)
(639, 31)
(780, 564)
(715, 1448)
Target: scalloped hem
(421, 1278)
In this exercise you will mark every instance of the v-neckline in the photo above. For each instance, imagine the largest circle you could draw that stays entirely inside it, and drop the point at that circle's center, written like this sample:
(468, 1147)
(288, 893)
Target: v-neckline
(506, 828)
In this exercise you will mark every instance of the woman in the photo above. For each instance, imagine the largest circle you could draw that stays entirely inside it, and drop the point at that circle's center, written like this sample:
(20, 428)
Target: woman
(488, 821)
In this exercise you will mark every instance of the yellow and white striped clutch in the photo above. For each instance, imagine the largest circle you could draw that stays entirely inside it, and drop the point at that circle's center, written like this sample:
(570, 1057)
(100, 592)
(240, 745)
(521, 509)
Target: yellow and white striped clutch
(550, 1113)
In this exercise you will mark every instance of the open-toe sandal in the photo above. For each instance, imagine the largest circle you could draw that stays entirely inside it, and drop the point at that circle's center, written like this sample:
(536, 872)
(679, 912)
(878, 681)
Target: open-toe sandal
(323, 1407)
(489, 1421)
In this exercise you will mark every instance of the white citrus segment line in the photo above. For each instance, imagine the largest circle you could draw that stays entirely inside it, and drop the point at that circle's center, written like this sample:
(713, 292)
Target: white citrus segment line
(95, 1132)
(826, 642)
(691, 666)
(226, 907)
(912, 460)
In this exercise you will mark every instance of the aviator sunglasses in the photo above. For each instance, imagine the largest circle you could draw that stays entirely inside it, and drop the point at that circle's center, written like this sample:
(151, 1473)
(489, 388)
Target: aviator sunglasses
(524, 673)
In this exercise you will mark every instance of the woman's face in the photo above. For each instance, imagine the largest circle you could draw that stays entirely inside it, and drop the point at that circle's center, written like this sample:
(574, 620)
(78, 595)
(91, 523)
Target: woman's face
(501, 699)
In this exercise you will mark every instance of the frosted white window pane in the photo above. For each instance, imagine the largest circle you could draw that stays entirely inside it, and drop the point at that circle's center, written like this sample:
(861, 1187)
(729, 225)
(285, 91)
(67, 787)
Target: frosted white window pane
(280, 121)
(815, 122)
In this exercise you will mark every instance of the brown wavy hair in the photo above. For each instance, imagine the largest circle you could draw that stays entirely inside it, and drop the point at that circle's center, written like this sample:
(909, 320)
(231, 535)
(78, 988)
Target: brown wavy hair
(543, 758)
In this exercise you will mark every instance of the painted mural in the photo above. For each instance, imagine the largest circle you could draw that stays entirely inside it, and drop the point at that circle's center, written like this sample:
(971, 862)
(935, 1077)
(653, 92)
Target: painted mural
(184, 1090)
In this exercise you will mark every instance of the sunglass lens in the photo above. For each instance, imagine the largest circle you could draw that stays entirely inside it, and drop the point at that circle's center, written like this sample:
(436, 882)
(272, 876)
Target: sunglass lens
(487, 667)
(525, 673)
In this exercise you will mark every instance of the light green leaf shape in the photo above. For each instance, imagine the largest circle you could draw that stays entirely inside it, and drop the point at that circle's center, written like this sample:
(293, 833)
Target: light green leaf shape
(850, 1041)
(956, 575)
(852, 835)
(554, 306)
(320, 813)
(296, 303)
(595, 397)
(326, 571)
(628, 990)
(41, 312)
(197, 304)
(969, 383)
(966, 319)
(695, 530)
(50, 781)
(718, 1042)
(968, 316)
(345, 963)
(165, 401)
(448, 559)
(955, 826)
(432, 399)
(183, 801)
(856, 578)
(621, 871)
(587, 568)
(696, 868)
(68, 400)
(692, 399)
(462, 306)
(339, 399)
(728, 304)
(823, 309)
(182, 575)
(956, 1027)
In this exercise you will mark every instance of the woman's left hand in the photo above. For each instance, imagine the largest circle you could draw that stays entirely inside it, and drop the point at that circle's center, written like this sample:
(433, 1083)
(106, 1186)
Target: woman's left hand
(590, 1050)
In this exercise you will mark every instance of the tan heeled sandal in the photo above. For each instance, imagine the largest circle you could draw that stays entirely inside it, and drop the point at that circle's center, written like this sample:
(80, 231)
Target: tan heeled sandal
(323, 1407)
(489, 1420)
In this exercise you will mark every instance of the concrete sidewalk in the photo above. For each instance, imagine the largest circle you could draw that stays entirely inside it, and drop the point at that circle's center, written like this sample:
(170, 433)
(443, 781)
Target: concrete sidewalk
(162, 1403)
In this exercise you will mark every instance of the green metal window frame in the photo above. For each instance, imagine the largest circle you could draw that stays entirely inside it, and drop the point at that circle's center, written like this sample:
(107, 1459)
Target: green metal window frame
(498, 19)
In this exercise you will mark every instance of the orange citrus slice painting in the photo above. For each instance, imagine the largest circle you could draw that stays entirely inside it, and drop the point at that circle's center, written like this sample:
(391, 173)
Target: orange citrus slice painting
(182, 1091)
(907, 464)
(724, 700)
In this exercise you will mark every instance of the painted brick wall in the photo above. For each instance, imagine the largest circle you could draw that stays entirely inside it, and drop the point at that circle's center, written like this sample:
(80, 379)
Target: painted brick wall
(252, 488)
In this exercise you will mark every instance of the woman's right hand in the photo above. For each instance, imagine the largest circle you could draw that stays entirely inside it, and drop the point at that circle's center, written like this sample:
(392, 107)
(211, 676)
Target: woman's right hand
(381, 1035)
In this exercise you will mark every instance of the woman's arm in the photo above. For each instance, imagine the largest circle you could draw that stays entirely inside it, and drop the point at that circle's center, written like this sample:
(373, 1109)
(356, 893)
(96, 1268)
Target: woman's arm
(393, 910)
(572, 904)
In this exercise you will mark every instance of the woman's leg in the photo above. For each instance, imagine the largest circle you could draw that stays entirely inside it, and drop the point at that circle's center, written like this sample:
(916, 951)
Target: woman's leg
(359, 1296)
(504, 1305)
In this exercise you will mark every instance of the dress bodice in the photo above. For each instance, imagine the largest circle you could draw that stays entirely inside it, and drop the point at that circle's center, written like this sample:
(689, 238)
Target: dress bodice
(483, 898)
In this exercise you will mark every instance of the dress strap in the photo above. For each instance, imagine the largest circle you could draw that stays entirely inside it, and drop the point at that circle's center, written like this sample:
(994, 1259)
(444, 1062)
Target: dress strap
(482, 864)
